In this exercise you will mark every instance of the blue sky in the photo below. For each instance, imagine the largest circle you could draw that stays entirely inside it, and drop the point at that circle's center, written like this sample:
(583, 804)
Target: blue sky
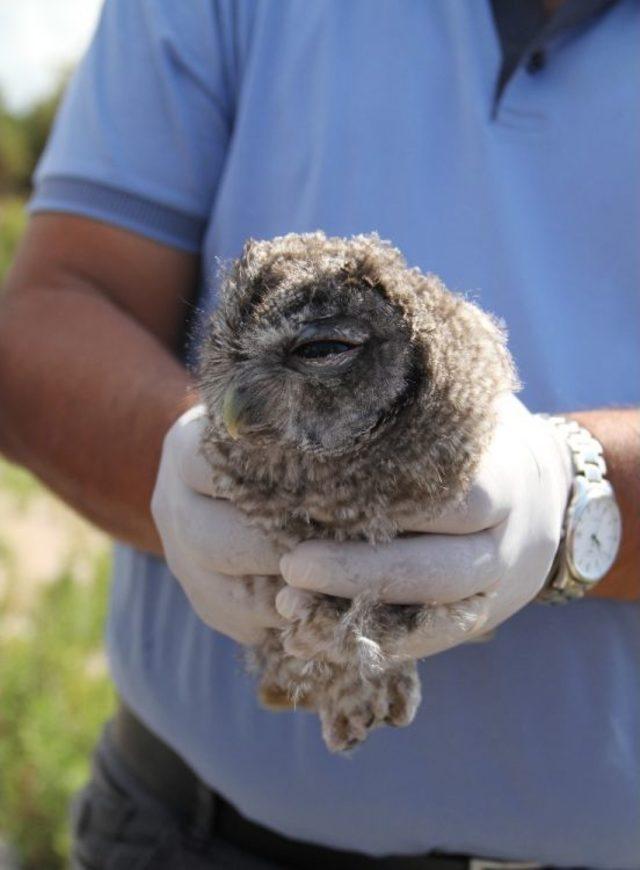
(39, 39)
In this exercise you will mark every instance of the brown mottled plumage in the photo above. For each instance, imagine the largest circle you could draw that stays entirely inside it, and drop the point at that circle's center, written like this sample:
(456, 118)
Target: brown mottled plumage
(345, 392)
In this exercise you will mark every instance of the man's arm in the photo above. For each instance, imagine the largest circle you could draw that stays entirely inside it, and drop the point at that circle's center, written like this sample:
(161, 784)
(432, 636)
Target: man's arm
(90, 321)
(619, 433)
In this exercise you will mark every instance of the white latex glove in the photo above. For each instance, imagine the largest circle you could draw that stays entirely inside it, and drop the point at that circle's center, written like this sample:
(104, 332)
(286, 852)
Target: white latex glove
(208, 543)
(477, 565)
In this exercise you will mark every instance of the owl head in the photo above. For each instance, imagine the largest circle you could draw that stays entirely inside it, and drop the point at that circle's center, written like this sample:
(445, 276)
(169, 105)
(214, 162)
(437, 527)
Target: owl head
(312, 346)
(322, 345)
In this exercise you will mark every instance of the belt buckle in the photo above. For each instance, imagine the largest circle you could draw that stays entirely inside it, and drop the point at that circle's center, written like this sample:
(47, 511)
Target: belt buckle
(485, 864)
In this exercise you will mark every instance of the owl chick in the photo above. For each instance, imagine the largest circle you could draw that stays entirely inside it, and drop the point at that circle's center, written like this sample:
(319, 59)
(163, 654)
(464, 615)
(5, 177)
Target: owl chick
(345, 392)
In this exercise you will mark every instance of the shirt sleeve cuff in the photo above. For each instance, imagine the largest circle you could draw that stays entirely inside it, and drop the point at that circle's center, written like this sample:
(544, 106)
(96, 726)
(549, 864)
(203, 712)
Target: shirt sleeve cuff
(129, 211)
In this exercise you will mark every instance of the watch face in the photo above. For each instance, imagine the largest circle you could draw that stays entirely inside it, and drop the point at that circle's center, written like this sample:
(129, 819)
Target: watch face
(596, 537)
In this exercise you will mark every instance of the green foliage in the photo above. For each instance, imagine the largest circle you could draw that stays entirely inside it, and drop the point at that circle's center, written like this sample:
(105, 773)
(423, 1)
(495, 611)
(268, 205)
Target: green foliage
(14, 154)
(12, 222)
(54, 691)
(54, 694)
(22, 139)
(18, 484)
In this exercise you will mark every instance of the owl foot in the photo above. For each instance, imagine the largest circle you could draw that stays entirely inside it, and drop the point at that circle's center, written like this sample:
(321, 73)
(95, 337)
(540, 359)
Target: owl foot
(403, 695)
(342, 732)
(314, 632)
(352, 707)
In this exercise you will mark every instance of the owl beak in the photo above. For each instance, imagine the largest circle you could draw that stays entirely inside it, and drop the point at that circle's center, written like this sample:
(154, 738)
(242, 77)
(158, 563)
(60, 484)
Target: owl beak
(235, 406)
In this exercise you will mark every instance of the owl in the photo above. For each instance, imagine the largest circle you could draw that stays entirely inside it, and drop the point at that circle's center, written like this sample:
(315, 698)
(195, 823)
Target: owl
(345, 392)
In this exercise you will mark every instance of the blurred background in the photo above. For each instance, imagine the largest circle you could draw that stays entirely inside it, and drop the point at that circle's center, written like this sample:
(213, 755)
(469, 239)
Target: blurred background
(54, 568)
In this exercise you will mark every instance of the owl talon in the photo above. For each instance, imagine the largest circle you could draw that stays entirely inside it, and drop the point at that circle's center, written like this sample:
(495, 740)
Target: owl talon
(404, 697)
(342, 732)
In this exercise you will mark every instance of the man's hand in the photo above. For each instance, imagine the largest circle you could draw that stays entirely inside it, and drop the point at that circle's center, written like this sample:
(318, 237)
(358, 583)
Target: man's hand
(208, 543)
(477, 565)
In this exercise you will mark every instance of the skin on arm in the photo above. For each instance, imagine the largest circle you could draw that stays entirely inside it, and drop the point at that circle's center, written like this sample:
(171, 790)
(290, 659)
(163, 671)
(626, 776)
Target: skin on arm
(91, 318)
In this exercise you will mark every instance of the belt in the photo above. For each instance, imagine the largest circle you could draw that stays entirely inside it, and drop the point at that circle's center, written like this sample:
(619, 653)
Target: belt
(174, 783)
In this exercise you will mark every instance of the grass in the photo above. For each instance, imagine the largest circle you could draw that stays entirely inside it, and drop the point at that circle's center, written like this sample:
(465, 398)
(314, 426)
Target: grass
(54, 691)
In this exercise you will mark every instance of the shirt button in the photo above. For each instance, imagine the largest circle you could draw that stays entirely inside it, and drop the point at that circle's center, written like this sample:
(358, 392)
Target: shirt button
(537, 61)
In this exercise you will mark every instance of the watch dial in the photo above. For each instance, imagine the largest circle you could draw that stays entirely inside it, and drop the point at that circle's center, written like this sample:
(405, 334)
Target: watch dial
(596, 538)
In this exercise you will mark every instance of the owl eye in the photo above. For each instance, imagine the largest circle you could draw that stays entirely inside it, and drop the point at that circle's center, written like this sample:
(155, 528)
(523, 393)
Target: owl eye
(322, 349)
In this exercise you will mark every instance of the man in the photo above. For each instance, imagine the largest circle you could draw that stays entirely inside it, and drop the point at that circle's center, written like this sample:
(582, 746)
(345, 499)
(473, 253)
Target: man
(495, 144)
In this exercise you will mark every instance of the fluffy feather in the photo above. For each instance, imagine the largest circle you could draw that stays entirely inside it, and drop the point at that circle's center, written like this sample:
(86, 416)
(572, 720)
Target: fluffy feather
(360, 392)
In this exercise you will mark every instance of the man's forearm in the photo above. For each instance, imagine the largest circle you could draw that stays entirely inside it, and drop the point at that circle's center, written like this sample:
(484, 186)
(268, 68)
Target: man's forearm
(619, 433)
(86, 402)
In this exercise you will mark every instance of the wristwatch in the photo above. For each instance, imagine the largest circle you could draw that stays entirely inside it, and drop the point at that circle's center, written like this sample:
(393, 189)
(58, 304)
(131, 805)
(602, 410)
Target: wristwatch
(592, 525)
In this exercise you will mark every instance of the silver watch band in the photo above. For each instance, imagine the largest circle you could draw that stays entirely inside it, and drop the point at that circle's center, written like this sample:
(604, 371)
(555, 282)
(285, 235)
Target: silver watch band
(588, 461)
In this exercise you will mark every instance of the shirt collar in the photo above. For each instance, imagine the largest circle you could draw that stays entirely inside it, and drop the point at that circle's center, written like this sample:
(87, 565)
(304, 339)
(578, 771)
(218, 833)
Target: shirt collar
(525, 31)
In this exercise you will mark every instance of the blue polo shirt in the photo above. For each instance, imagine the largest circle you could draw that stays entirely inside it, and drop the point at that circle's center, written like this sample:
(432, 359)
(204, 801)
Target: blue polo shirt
(199, 124)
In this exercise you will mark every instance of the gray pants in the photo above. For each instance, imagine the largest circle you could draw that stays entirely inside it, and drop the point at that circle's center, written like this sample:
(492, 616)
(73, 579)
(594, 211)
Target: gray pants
(118, 825)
